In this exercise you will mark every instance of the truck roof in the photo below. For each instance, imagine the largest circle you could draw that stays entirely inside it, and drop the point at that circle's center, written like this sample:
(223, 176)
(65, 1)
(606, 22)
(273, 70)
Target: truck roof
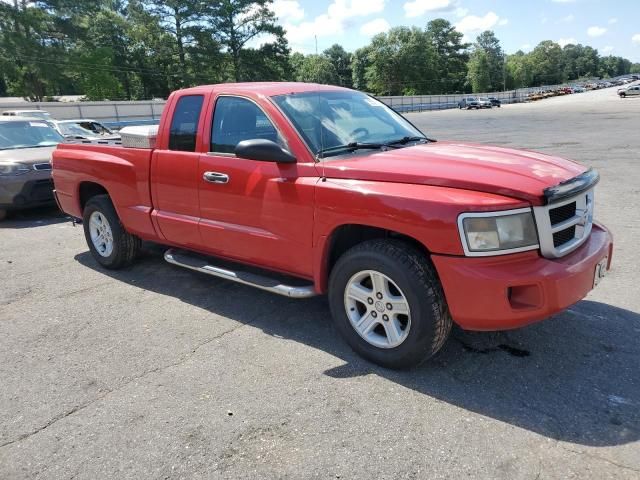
(262, 88)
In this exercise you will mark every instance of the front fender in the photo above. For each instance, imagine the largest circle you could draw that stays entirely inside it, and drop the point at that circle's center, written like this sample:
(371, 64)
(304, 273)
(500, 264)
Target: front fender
(428, 214)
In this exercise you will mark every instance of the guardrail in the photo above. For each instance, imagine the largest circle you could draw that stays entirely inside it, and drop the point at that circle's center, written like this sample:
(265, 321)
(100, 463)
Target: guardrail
(122, 113)
(115, 114)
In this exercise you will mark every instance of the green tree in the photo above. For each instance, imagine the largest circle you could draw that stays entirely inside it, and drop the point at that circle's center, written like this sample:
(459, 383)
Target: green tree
(479, 75)
(270, 62)
(236, 22)
(488, 42)
(400, 61)
(359, 64)
(450, 59)
(546, 63)
(518, 70)
(341, 61)
(99, 83)
(316, 68)
(181, 19)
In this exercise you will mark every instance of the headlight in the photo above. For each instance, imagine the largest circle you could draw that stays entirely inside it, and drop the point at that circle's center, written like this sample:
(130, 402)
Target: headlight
(11, 169)
(498, 233)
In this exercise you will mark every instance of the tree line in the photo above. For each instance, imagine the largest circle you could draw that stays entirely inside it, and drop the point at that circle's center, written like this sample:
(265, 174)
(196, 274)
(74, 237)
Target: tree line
(139, 49)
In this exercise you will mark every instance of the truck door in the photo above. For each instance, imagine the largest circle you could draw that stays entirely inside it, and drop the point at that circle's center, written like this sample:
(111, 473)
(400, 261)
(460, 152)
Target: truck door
(254, 211)
(174, 174)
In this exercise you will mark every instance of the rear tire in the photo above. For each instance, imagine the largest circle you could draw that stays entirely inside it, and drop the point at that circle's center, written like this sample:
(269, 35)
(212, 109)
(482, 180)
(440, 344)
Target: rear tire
(110, 244)
(372, 286)
(3, 214)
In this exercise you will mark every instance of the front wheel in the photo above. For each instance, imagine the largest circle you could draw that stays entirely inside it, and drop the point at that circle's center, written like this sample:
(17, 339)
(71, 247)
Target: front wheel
(388, 304)
(622, 95)
(110, 244)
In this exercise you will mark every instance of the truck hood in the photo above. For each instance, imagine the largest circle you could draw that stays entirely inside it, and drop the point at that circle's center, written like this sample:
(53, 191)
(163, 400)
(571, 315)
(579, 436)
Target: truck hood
(513, 173)
(27, 156)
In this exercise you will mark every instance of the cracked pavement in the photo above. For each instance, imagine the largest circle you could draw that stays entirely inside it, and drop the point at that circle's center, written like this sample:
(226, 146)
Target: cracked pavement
(159, 372)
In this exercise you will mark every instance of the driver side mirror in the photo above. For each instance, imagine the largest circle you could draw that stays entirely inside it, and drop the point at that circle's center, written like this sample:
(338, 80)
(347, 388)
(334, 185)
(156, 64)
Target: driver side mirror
(263, 150)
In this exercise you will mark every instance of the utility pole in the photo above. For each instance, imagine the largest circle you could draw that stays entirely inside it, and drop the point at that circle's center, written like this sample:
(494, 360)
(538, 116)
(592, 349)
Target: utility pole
(316, 38)
(504, 71)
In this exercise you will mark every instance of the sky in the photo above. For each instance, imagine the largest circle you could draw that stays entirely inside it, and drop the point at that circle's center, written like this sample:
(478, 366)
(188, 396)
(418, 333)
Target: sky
(610, 26)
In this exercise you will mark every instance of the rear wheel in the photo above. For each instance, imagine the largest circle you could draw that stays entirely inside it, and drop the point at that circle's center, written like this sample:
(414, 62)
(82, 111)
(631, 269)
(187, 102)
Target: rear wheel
(110, 244)
(387, 302)
(3, 214)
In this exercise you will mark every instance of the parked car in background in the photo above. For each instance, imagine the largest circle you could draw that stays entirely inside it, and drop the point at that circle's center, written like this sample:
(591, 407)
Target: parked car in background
(469, 103)
(495, 102)
(485, 102)
(85, 129)
(578, 89)
(631, 91)
(44, 115)
(26, 145)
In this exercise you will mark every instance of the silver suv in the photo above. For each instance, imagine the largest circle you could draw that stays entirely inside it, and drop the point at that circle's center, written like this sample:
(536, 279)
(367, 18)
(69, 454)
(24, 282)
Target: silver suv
(631, 91)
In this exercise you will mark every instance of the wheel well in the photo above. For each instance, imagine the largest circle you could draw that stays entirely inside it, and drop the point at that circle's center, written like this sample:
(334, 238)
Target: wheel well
(348, 236)
(89, 190)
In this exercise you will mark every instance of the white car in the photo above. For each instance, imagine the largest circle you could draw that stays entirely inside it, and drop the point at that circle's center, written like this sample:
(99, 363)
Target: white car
(632, 91)
(44, 115)
(85, 129)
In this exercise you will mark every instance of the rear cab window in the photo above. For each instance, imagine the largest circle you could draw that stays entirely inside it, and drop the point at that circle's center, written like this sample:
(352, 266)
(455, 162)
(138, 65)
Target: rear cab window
(184, 124)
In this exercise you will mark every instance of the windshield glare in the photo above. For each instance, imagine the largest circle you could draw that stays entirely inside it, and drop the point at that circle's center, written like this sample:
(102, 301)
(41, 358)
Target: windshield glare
(75, 129)
(27, 134)
(332, 119)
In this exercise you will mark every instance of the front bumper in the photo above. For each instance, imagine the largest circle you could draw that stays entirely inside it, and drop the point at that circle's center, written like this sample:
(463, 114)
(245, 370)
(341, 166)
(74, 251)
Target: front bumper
(24, 191)
(500, 293)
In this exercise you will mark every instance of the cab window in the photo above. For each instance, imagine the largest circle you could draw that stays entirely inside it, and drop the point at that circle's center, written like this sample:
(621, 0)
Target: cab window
(236, 119)
(184, 124)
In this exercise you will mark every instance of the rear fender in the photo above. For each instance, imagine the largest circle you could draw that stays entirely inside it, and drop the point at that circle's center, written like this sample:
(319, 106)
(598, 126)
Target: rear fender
(123, 173)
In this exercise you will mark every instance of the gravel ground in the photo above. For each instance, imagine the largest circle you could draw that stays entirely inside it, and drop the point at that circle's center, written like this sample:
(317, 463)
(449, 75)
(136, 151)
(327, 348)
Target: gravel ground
(158, 372)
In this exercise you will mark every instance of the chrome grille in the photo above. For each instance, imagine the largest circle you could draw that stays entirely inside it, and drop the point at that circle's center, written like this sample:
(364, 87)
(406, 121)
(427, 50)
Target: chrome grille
(564, 225)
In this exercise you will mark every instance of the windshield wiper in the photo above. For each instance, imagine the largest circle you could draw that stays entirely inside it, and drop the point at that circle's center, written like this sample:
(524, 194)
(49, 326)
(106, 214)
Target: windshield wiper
(351, 147)
(371, 146)
(18, 147)
(405, 140)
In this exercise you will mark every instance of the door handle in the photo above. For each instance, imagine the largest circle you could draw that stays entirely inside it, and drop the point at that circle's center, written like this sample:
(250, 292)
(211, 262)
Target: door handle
(215, 177)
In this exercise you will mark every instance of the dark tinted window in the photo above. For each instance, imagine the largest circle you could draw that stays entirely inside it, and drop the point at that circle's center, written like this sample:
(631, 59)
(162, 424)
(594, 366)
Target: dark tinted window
(236, 119)
(184, 124)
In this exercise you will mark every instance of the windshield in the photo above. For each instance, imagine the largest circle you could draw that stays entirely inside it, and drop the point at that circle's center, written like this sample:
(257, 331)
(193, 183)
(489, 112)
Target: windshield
(96, 128)
(75, 130)
(27, 134)
(328, 120)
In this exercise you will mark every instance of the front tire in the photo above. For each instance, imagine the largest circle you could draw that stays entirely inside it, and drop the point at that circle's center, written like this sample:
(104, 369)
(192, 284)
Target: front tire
(110, 244)
(388, 304)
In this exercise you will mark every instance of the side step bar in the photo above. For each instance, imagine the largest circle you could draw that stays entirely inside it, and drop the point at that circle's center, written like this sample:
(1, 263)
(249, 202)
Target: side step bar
(199, 264)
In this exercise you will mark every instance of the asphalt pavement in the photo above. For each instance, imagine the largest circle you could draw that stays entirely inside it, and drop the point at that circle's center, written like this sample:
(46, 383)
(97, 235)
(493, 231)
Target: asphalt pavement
(159, 372)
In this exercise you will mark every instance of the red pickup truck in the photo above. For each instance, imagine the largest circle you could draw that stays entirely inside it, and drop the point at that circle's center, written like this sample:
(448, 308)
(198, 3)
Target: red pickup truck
(304, 189)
